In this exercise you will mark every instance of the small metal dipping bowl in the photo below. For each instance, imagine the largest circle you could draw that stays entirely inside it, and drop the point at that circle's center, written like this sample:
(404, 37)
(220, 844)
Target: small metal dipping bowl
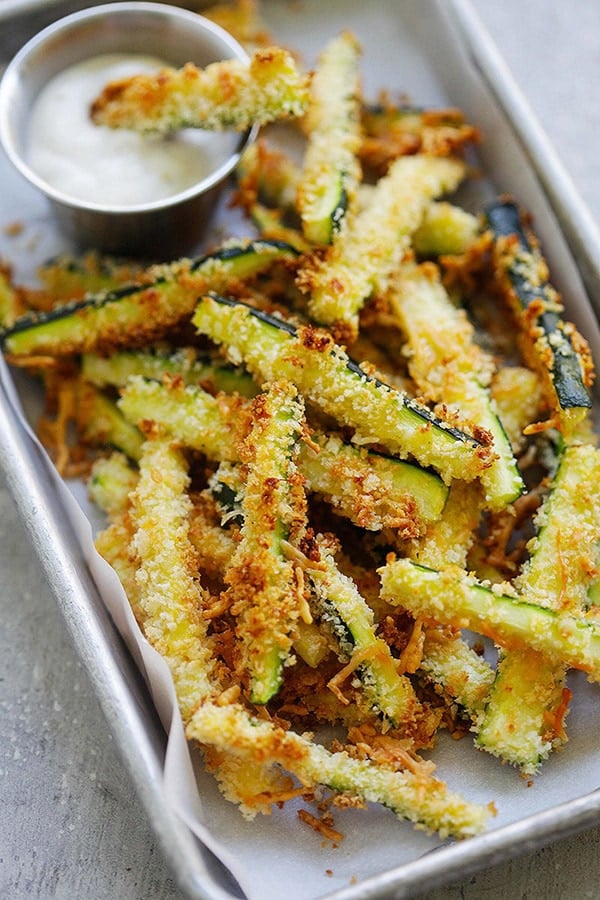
(156, 230)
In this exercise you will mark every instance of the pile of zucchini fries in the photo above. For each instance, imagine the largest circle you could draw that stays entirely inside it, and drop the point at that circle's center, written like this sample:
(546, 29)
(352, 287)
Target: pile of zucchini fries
(323, 454)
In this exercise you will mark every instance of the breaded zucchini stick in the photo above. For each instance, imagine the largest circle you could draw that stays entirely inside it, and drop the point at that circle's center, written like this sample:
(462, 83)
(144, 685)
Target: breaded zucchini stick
(415, 796)
(169, 592)
(227, 94)
(100, 422)
(550, 345)
(265, 596)
(524, 718)
(339, 282)
(453, 597)
(111, 480)
(138, 313)
(327, 378)
(185, 363)
(448, 366)
(446, 230)
(340, 608)
(331, 171)
(447, 661)
(518, 395)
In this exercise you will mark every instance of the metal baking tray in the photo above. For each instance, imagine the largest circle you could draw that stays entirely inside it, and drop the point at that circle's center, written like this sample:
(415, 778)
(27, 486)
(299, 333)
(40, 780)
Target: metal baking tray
(446, 43)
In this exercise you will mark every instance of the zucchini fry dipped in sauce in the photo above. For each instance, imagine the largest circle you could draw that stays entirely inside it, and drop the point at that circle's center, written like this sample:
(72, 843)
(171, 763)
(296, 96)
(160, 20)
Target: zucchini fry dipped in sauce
(331, 172)
(136, 314)
(549, 344)
(226, 94)
(271, 347)
(524, 718)
(265, 595)
(339, 282)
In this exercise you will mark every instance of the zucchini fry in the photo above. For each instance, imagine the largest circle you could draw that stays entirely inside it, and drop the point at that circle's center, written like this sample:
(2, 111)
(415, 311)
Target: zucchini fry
(185, 363)
(447, 661)
(372, 490)
(445, 230)
(340, 281)
(150, 550)
(524, 718)
(135, 314)
(448, 366)
(324, 374)
(191, 415)
(265, 597)
(169, 593)
(101, 422)
(226, 94)
(331, 171)
(113, 544)
(344, 613)
(458, 672)
(518, 396)
(415, 796)
(549, 344)
(111, 480)
(453, 597)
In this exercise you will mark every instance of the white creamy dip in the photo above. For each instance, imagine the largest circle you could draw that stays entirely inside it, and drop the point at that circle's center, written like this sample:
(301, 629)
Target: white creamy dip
(116, 167)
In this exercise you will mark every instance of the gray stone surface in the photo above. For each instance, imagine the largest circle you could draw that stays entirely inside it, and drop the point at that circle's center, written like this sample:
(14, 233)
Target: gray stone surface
(70, 826)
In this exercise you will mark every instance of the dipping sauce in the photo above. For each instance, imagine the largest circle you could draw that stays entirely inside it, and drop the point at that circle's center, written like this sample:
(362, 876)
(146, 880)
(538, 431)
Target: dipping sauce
(113, 167)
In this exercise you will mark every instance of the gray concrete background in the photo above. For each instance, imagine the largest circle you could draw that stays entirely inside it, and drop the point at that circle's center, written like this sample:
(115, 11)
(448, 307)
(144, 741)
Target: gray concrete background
(70, 826)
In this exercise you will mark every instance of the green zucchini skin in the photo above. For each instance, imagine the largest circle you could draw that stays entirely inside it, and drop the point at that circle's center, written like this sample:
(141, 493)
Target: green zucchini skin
(566, 371)
(137, 313)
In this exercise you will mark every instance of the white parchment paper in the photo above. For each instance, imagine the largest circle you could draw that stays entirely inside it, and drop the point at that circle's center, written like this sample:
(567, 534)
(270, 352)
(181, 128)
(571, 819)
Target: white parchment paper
(408, 47)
